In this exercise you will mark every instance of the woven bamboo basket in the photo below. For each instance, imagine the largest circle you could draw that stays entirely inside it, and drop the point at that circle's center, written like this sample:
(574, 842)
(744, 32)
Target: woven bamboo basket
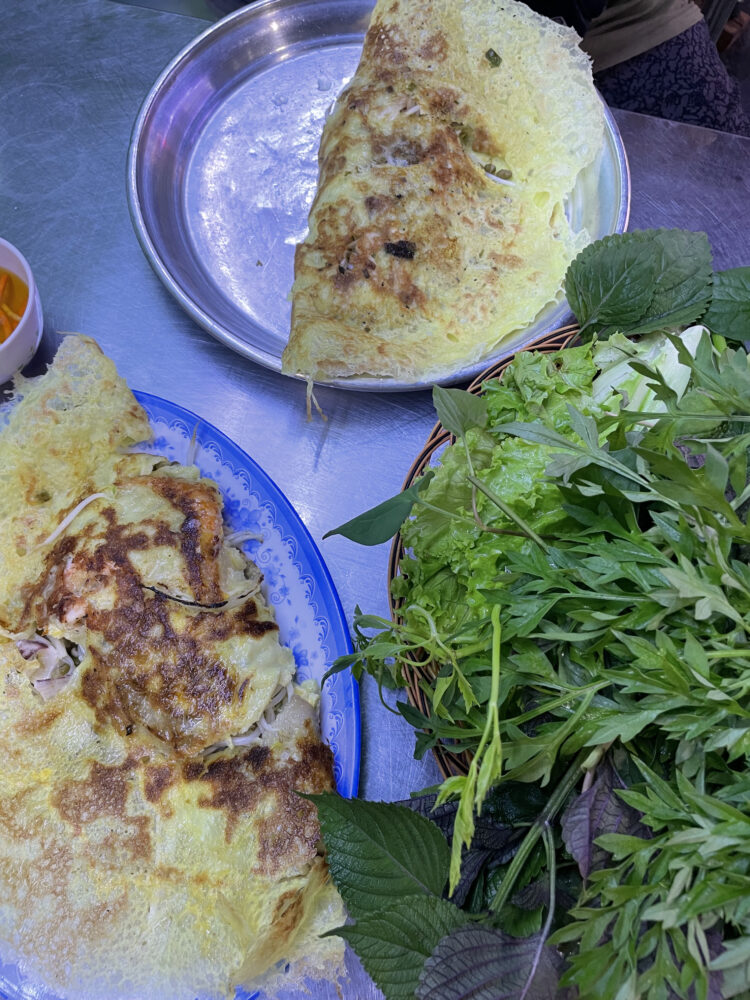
(422, 669)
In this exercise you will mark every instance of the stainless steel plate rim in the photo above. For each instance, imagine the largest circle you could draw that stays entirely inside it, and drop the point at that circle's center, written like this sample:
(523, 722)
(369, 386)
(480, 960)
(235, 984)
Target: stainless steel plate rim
(134, 203)
(552, 317)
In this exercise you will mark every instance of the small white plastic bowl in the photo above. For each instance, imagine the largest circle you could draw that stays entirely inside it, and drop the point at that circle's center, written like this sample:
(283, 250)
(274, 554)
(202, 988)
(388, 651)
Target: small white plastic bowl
(19, 348)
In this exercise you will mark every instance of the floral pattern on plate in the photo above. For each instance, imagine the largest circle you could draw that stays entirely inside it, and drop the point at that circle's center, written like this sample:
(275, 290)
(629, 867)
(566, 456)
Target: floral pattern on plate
(296, 581)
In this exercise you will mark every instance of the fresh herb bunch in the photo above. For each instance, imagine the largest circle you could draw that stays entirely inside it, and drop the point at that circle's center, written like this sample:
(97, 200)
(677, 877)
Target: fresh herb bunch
(577, 575)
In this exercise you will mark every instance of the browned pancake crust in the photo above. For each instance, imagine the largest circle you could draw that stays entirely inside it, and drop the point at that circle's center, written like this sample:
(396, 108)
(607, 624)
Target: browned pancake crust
(417, 261)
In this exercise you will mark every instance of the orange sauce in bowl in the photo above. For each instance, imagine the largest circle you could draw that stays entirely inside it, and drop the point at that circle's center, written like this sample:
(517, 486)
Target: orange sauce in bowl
(14, 297)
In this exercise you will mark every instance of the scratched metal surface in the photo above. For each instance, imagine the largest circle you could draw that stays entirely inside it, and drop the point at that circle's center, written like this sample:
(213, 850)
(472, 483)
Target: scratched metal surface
(75, 76)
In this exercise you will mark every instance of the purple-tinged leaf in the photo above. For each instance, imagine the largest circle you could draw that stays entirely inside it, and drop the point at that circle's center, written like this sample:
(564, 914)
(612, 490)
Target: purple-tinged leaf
(472, 863)
(393, 944)
(533, 895)
(716, 981)
(493, 843)
(483, 963)
(597, 811)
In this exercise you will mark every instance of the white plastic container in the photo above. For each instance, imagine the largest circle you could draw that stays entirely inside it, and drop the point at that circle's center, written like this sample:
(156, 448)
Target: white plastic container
(19, 348)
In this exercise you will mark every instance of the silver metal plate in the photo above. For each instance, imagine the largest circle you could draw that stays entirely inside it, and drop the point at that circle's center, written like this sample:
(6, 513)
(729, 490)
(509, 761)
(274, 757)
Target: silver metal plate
(222, 170)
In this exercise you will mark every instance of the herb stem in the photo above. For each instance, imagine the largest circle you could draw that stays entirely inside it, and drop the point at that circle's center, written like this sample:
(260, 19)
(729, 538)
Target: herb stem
(549, 706)
(549, 844)
(633, 416)
(477, 647)
(584, 761)
(509, 512)
(495, 685)
(383, 702)
(446, 513)
(492, 721)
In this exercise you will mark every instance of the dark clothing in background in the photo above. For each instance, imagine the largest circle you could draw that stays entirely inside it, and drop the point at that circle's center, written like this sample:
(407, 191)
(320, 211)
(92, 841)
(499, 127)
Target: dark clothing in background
(656, 57)
(682, 79)
(626, 28)
(576, 14)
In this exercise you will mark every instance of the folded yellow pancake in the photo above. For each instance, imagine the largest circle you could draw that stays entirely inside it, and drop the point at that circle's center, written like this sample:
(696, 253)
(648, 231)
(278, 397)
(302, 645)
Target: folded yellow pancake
(417, 261)
(63, 440)
(138, 581)
(152, 843)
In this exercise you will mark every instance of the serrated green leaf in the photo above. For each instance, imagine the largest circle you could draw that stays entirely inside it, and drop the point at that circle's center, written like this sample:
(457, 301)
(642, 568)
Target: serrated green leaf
(442, 684)
(539, 434)
(621, 726)
(621, 845)
(378, 851)
(709, 599)
(716, 468)
(394, 944)
(641, 281)
(467, 691)
(682, 289)
(735, 953)
(483, 963)
(729, 311)
(734, 982)
(610, 283)
(585, 427)
(695, 655)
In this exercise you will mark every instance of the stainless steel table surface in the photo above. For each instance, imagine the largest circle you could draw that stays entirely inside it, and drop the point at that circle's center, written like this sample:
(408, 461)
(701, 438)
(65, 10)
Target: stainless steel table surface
(72, 79)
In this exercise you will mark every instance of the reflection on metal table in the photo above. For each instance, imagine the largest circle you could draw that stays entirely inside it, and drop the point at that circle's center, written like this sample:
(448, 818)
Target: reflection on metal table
(75, 76)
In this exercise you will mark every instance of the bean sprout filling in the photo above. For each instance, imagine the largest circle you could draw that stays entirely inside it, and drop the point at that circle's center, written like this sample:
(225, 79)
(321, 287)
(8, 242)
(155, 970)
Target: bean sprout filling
(57, 659)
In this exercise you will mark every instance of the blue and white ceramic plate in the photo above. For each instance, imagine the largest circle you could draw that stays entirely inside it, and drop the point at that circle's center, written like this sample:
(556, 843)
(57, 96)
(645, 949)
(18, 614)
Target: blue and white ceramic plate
(296, 583)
